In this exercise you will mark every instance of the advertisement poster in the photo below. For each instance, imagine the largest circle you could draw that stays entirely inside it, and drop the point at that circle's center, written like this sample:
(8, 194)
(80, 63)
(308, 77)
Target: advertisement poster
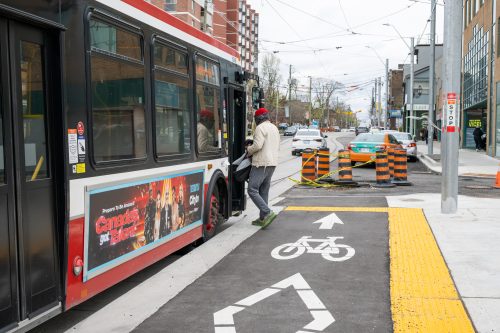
(126, 220)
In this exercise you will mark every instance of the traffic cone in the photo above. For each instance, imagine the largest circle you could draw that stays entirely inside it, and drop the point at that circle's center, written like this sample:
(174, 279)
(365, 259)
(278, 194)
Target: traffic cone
(497, 182)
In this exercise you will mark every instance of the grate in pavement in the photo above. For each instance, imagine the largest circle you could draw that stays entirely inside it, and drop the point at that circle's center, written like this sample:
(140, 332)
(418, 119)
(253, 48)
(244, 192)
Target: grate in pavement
(479, 187)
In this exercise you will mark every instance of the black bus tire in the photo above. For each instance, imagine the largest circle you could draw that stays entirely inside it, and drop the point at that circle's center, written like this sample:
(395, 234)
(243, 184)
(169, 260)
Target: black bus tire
(212, 217)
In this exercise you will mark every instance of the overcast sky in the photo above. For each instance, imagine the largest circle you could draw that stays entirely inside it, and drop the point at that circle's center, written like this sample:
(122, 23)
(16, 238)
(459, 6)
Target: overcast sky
(329, 39)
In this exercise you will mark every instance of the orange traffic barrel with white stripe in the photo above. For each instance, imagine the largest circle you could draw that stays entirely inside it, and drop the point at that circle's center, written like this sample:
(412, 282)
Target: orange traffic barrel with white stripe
(497, 180)
(400, 168)
(382, 170)
(345, 168)
(308, 165)
(390, 157)
(323, 163)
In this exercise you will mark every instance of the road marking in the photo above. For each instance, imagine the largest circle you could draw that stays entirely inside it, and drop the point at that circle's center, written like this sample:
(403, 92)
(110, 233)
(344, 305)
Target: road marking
(338, 209)
(327, 248)
(423, 295)
(329, 221)
(322, 318)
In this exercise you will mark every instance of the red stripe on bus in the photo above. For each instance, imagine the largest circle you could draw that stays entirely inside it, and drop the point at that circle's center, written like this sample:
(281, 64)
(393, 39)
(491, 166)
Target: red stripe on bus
(162, 15)
(77, 291)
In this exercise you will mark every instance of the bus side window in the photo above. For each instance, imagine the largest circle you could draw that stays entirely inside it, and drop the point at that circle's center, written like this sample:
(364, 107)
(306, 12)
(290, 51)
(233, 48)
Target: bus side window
(209, 132)
(117, 72)
(171, 88)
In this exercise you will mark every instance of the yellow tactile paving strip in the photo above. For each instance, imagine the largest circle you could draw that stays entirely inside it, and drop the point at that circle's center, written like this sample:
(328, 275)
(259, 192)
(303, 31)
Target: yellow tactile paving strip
(423, 295)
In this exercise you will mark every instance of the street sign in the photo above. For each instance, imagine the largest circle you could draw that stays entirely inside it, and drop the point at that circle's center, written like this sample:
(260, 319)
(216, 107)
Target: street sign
(322, 318)
(451, 115)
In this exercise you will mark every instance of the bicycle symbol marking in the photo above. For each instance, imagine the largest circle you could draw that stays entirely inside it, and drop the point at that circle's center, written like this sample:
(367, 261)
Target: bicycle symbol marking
(328, 249)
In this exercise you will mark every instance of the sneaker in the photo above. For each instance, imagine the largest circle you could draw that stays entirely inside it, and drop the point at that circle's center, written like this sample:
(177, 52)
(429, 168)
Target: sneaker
(268, 220)
(257, 222)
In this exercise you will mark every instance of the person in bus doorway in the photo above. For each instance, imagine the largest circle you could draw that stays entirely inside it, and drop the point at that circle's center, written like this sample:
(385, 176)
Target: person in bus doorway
(264, 153)
(478, 132)
(205, 126)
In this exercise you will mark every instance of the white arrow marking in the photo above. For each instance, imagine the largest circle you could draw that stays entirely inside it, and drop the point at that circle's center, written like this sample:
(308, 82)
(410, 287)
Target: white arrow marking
(329, 221)
(257, 297)
(225, 316)
(322, 319)
(311, 300)
(296, 280)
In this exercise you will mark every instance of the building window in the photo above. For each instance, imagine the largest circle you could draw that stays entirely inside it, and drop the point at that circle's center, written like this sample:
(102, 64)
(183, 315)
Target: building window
(170, 5)
(172, 112)
(117, 86)
(476, 68)
(193, 6)
(209, 135)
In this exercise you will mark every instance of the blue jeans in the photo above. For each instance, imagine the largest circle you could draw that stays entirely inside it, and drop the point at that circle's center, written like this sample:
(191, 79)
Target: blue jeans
(258, 188)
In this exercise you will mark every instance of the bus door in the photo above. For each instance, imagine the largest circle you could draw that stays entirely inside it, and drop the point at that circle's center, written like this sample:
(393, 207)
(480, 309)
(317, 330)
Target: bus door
(237, 134)
(29, 269)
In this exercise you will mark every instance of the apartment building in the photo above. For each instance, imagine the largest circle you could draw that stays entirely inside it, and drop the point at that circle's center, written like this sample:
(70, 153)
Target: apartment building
(481, 74)
(232, 22)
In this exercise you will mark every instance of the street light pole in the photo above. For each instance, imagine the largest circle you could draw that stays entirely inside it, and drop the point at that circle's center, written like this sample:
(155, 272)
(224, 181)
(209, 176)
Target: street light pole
(386, 92)
(430, 119)
(412, 78)
(379, 104)
(452, 50)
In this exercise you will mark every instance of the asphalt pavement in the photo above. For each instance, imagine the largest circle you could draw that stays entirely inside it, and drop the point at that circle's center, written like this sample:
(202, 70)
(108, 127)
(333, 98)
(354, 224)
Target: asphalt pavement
(333, 273)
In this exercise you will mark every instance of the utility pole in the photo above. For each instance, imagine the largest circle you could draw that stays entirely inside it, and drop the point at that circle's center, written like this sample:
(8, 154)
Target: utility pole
(430, 118)
(452, 50)
(386, 112)
(379, 103)
(412, 78)
(310, 97)
(290, 94)
(277, 105)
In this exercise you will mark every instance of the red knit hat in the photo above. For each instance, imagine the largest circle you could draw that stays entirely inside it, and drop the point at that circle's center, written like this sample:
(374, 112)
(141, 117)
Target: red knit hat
(206, 114)
(261, 112)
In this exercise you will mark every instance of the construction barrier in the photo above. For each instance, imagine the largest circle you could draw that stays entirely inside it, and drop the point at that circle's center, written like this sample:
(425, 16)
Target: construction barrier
(323, 164)
(497, 182)
(345, 169)
(400, 168)
(390, 156)
(382, 170)
(308, 165)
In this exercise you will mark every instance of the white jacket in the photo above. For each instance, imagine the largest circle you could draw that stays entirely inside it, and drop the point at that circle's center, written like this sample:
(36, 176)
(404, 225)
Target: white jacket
(266, 144)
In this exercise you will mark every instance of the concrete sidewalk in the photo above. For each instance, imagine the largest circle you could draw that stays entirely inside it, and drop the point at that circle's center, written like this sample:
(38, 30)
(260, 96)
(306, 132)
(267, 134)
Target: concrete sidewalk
(471, 163)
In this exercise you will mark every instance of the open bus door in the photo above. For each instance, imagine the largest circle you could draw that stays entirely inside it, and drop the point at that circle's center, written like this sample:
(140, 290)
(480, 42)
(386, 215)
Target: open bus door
(237, 115)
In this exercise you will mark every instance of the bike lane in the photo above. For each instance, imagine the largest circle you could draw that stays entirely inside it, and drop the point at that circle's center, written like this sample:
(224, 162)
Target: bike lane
(332, 277)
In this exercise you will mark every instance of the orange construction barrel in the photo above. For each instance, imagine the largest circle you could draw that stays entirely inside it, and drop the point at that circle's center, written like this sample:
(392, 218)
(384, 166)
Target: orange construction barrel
(382, 170)
(308, 165)
(400, 168)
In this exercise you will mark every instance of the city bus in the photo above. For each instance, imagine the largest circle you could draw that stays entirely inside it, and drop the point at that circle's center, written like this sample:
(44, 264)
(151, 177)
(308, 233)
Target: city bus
(118, 126)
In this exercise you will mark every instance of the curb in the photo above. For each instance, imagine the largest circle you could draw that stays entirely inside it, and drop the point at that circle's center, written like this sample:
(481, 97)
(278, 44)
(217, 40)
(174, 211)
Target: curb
(433, 166)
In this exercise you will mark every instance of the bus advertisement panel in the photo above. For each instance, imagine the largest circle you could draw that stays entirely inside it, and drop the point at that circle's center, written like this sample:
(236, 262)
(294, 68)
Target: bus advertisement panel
(126, 220)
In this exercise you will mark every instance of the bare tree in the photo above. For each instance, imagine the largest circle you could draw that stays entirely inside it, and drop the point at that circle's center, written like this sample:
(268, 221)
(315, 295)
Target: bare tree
(323, 91)
(271, 80)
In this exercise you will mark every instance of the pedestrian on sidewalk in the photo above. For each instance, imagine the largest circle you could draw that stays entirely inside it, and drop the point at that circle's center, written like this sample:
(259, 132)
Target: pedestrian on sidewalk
(478, 132)
(425, 132)
(264, 152)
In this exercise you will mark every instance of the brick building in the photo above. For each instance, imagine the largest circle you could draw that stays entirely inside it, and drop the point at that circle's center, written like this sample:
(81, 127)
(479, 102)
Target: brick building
(232, 22)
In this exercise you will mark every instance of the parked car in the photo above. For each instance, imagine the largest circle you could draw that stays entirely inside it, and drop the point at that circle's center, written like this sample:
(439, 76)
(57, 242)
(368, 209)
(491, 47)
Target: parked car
(364, 146)
(308, 138)
(352, 129)
(361, 129)
(283, 126)
(407, 142)
(290, 131)
(336, 128)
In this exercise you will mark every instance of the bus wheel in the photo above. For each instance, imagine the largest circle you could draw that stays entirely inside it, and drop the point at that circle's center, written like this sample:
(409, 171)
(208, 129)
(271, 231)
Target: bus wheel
(213, 216)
